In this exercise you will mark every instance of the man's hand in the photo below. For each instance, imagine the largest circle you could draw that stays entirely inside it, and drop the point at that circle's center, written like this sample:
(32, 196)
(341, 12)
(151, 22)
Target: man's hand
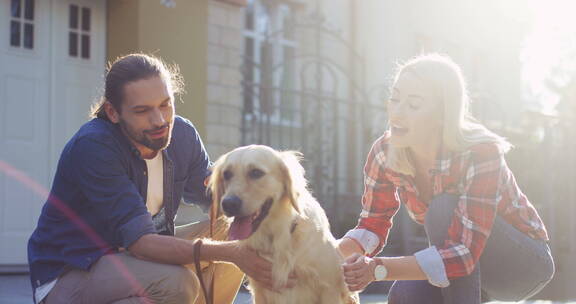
(256, 267)
(358, 271)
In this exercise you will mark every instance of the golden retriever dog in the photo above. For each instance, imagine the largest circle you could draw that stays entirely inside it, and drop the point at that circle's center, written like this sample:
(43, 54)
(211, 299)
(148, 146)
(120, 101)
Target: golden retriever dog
(264, 190)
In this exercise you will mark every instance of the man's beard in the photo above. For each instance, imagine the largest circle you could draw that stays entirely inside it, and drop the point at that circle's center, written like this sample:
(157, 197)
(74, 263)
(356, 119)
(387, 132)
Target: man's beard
(141, 138)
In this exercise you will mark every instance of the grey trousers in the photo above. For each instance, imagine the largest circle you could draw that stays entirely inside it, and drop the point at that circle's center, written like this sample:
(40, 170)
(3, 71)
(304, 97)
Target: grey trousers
(124, 279)
(512, 267)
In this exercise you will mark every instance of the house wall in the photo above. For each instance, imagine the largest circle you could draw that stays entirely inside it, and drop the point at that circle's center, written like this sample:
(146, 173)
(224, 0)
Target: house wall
(177, 35)
(223, 118)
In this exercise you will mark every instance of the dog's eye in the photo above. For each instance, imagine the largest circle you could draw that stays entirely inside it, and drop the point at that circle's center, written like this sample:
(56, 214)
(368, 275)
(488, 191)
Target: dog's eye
(227, 175)
(255, 173)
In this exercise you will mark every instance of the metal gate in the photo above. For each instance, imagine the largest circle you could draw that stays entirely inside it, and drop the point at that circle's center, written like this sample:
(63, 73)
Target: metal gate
(313, 102)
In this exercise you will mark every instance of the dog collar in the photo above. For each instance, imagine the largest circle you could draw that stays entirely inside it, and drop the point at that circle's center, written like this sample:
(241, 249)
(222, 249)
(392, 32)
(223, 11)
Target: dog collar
(293, 227)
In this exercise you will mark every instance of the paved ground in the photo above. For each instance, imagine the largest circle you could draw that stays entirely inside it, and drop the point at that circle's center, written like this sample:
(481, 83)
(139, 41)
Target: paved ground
(15, 289)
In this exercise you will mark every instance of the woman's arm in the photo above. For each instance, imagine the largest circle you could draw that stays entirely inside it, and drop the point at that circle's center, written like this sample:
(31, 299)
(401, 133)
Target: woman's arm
(359, 270)
(379, 205)
(348, 247)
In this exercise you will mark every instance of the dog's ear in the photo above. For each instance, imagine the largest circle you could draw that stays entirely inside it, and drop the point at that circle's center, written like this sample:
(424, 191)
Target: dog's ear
(216, 186)
(295, 183)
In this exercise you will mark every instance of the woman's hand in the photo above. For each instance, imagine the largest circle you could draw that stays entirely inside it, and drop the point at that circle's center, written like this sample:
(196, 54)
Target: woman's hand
(256, 267)
(358, 271)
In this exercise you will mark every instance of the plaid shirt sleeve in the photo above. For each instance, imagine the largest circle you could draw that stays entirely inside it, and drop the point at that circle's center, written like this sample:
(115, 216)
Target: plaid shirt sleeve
(379, 202)
(475, 212)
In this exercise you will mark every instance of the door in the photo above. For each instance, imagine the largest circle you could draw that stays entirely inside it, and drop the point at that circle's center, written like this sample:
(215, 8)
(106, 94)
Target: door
(45, 95)
(79, 51)
(24, 123)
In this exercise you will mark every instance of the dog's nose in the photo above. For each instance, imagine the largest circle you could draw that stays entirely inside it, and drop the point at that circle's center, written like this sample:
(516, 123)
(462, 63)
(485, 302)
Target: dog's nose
(231, 205)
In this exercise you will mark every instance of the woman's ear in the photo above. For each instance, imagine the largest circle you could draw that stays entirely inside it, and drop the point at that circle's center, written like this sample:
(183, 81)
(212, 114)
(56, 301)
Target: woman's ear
(294, 179)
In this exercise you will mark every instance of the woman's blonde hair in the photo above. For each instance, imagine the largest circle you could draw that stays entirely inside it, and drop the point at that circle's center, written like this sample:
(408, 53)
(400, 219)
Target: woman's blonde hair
(459, 129)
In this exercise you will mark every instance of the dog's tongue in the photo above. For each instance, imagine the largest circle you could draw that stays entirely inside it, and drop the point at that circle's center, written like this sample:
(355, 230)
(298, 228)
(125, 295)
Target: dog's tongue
(241, 228)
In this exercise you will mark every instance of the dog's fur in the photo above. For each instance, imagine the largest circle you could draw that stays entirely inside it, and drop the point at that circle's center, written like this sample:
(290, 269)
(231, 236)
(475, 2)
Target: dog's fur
(295, 235)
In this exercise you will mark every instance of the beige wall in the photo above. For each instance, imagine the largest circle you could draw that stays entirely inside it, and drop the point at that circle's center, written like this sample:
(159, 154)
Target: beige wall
(224, 91)
(177, 35)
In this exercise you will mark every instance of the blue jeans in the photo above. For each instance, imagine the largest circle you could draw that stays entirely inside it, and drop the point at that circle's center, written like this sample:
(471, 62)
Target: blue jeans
(512, 267)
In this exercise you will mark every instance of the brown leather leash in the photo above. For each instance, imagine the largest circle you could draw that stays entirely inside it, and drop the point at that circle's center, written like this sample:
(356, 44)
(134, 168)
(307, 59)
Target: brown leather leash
(207, 296)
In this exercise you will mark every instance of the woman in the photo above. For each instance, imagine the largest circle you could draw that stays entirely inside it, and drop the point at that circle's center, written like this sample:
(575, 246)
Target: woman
(450, 173)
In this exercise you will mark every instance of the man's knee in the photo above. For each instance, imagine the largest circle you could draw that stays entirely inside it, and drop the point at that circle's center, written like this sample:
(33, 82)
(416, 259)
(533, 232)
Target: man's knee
(181, 285)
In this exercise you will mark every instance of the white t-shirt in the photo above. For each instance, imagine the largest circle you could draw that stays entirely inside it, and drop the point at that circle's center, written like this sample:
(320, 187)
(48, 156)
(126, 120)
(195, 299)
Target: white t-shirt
(155, 195)
(42, 291)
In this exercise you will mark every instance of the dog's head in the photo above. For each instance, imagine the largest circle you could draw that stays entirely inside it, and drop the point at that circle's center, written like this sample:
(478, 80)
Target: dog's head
(248, 182)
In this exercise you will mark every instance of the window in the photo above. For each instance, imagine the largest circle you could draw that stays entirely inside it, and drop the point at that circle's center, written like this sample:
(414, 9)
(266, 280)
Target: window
(22, 24)
(79, 25)
(269, 63)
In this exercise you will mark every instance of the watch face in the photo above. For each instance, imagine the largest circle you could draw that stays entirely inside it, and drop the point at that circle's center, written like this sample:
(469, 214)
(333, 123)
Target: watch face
(380, 272)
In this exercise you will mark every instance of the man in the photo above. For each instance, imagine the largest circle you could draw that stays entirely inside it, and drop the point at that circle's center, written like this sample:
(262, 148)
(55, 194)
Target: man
(106, 233)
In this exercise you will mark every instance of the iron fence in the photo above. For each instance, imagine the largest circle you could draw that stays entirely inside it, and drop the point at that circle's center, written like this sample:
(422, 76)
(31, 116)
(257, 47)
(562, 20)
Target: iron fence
(316, 104)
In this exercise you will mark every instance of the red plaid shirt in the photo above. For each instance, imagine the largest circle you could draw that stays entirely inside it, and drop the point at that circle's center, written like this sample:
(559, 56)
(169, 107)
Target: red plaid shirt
(486, 187)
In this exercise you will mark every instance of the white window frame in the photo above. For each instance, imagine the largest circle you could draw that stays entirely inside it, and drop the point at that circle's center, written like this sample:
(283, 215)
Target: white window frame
(272, 23)
(80, 32)
(23, 21)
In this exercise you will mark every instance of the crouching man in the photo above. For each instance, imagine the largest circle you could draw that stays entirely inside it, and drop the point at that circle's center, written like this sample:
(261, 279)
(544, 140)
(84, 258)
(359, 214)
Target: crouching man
(106, 233)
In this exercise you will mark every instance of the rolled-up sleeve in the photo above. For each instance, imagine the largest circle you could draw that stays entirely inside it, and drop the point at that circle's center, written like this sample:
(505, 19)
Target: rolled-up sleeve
(113, 198)
(136, 228)
(366, 238)
(432, 265)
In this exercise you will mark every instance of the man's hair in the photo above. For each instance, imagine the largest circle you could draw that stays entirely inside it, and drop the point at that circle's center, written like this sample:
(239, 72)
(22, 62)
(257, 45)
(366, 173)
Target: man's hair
(131, 68)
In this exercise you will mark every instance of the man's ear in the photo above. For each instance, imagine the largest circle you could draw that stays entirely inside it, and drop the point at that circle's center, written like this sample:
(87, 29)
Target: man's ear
(111, 112)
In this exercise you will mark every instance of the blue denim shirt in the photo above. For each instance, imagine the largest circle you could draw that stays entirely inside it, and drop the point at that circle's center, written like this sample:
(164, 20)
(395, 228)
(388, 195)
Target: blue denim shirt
(97, 203)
